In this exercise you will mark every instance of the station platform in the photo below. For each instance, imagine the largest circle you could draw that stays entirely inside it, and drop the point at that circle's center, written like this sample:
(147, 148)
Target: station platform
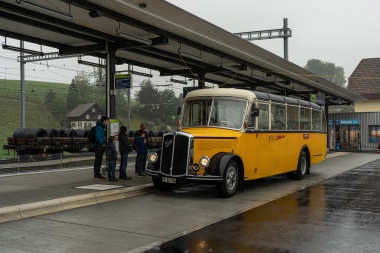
(30, 194)
(34, 193)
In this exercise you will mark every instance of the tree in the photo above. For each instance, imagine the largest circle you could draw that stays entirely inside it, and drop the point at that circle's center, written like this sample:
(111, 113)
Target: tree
(50, 97)
(168, 106)
(327, 70)
(157, 105)
(78, 91)
(148, 98)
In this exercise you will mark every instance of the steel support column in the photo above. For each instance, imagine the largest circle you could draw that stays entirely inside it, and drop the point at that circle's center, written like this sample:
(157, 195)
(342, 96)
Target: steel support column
(201, 80)
(22, 86)
(110, 82)
(327, 119)
(286, 31)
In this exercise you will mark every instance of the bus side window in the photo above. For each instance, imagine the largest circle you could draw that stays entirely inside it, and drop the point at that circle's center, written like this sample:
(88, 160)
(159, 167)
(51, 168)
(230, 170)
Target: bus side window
(279, 116)
(316, 120)
(263, 119)
(292, 117)
(254, 113)
(305, 118)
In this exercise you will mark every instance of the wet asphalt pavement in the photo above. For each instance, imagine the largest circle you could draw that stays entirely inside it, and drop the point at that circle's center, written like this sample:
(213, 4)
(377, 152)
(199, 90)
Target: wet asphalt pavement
(341, 214)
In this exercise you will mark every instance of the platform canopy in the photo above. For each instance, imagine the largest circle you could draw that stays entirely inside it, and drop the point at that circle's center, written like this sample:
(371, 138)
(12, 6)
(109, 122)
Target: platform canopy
(160, 36)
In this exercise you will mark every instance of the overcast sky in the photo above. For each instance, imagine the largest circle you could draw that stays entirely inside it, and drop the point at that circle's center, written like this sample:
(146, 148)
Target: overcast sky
(342, 32)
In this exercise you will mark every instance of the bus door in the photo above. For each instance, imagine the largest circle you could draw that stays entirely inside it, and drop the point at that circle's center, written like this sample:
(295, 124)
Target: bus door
(263, 153)
(277, 147)
(277, 139)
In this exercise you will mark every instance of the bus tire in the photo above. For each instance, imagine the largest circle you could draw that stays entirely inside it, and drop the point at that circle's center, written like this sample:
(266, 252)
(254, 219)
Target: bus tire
(303, 166)
(228, 186)
(159, 185)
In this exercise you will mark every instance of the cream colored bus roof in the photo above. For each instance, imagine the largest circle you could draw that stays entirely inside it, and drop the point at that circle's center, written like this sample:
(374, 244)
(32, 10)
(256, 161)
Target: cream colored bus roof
(222, 92)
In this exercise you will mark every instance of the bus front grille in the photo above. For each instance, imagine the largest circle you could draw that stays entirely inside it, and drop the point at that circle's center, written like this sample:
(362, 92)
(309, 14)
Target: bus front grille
(175, 154)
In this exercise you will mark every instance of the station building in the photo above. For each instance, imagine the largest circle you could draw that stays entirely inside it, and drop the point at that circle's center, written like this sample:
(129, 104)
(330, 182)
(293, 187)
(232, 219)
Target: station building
(359, 130)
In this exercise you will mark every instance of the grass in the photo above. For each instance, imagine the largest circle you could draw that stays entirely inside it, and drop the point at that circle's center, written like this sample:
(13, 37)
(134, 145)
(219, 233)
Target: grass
(37, 114)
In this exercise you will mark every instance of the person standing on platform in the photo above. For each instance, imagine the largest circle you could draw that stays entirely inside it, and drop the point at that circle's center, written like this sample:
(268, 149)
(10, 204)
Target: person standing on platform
(99, 145)
(139, 133)
(124, 149)
(142, 151)
(111, 158)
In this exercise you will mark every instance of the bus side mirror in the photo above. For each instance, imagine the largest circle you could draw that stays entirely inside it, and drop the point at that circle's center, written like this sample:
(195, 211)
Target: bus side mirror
(255, 112)
(178, 110)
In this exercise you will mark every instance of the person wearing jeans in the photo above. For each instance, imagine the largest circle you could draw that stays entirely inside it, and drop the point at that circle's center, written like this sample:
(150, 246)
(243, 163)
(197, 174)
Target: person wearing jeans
(111, 158)
(142, 151)
(99, 145)
(139, 133)
(124, 149)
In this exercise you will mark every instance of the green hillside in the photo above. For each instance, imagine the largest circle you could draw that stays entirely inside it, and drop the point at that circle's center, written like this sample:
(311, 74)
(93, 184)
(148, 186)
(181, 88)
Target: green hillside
(38, 114)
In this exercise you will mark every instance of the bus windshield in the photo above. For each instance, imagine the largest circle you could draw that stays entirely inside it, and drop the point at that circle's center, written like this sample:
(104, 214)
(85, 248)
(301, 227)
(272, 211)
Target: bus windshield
(214, 112)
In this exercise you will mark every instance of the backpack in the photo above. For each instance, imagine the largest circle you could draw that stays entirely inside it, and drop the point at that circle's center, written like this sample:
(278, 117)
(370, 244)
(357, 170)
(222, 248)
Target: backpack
(91, 135)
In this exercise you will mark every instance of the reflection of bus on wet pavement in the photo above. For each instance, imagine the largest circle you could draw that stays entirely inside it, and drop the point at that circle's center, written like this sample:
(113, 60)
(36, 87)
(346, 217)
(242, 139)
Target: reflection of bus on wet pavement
(227, 136)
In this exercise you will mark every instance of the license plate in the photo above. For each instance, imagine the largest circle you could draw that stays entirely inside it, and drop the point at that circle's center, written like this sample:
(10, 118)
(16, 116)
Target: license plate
(168, 180)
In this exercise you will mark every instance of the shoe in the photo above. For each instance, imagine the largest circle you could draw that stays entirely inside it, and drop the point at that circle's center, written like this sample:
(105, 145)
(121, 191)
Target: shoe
(113, 180)
(143, 174)
(99, 177)
(125, 178)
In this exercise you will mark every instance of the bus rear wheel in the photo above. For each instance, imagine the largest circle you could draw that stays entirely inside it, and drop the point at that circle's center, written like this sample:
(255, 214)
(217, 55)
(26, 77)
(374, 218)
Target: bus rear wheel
(302, 167)
(228, 186)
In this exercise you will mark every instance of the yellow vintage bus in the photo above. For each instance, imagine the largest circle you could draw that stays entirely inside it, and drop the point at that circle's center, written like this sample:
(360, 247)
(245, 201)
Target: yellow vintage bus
(227, 136)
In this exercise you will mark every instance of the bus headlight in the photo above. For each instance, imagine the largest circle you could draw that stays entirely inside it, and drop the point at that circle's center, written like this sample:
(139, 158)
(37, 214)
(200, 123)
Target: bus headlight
(204, 161)
(153, 157)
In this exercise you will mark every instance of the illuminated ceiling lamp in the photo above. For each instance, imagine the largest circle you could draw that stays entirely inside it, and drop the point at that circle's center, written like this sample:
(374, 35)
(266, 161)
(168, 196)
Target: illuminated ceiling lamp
(132, 37)
(46, 8)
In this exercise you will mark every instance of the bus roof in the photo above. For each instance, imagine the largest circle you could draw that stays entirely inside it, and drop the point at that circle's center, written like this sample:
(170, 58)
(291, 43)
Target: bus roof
(223, 92)
(250, 96)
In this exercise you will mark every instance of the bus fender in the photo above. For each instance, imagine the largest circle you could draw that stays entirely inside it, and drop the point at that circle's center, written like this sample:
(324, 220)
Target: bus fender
(223, 159)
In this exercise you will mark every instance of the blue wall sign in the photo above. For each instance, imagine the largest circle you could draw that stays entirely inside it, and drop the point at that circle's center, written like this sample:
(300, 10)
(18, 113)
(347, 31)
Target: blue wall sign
(346, 122)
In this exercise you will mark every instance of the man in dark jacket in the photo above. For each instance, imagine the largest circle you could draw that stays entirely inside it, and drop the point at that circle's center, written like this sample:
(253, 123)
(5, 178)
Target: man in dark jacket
(99, 145)
(142, 151)
(124, 149)
(138, 133)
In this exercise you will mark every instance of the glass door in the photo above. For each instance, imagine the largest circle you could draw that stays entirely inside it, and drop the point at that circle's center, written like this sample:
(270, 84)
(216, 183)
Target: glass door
(354, 137)
(345, 142)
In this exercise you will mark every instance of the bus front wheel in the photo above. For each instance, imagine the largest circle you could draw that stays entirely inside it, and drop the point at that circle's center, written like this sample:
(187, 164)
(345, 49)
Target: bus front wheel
(228, 186)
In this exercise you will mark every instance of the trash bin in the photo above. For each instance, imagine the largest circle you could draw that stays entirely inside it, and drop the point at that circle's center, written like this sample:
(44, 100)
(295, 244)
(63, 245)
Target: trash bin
(338, 146)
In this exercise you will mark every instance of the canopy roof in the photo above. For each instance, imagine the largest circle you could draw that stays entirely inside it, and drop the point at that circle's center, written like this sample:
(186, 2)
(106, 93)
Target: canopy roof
(160, 36)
